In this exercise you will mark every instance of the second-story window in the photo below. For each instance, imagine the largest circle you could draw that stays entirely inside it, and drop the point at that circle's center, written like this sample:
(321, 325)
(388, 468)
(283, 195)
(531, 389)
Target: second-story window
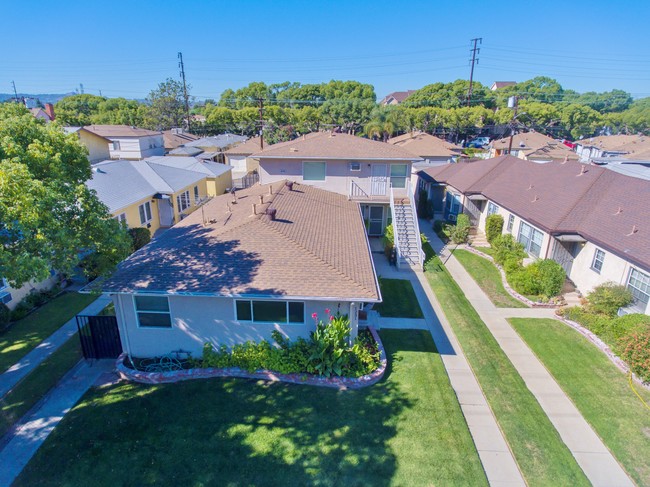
(398, 173)
(314, 171)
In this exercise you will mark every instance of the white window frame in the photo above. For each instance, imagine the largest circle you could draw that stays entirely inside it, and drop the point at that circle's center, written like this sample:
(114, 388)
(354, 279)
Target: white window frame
(145, 210)
(511, 223)
(197, 196)
(117, 145)
(168, 312)
(492, 208)
(304, 163)
(252, 320)
(530, 242)
(598, 261)
(355, 166)
(121, 218)
(640, 288)
(183, 201)
(394, 179)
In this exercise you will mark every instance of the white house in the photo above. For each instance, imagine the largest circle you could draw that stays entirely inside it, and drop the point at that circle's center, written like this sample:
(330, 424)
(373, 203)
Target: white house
(241, 268)
(593, 221)
(127, 142)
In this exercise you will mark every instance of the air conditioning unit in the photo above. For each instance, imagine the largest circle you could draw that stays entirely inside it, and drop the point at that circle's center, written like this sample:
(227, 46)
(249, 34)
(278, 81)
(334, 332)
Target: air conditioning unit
(451, 217)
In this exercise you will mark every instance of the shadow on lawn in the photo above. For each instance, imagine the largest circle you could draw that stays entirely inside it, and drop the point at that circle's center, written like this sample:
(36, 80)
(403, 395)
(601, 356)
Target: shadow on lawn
(224, 432)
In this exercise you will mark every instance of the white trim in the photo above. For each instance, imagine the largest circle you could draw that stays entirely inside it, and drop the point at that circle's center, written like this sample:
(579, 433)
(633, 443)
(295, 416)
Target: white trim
(137, 318)
(149, 217)
(347, 158)
(241, 296)
(593, 260)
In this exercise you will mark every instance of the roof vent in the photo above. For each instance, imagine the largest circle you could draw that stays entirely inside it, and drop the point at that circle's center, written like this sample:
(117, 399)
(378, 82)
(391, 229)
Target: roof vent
(536, 198)
(566, 159)
(522, 144)
(271, 213)
(530, 186)
(583, 170)
(619, 211)
(293, 149)
(634, 230)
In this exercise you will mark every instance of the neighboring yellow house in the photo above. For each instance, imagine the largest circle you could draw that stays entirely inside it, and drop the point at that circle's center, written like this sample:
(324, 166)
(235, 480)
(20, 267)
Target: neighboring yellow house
(96, 144)
(152, 194)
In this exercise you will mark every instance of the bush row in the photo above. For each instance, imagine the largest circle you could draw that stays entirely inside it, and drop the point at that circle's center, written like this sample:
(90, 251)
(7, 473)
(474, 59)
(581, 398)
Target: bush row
(325, 353)
(28, 303)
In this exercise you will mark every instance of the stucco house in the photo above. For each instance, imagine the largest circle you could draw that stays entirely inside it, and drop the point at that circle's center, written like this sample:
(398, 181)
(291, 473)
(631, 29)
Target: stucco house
(239, 157)
(532, 146)
(396, 97)
(177, 137)
(11, 296)
(592, 221)
(127, 142)
(429, 148)
(98, 146)
(241, 268)
(632, 147)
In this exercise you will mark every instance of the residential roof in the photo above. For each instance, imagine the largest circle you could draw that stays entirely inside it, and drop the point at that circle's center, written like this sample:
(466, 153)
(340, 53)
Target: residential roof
(604, 206)
(208, 168)
(329, 145)
(109, 131)
(425, 145)
(502, 84)
(398, 96)
(633, 146)
(121, 183)
(186, 151)
(74, 130)
(219, 141)
(175, 138)
(315, 248)
(246, 148)
(536, 146)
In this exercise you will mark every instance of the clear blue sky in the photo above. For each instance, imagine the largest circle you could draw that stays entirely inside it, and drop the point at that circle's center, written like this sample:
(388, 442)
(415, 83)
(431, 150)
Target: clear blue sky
(125, 48)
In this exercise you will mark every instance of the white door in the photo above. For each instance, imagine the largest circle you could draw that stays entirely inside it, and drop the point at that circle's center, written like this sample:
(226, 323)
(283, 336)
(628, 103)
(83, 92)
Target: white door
(166, 213)
(379, 186)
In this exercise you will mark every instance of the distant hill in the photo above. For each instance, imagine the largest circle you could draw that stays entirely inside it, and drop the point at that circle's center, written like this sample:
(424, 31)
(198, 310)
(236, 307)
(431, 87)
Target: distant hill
(44, 97)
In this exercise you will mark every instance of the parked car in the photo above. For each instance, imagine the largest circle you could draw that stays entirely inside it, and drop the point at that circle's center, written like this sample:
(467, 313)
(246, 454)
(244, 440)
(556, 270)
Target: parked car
(479, 142)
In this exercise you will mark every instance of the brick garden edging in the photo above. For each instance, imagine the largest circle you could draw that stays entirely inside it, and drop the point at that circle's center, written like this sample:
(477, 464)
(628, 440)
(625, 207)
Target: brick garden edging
(512, 292)
(341, 383)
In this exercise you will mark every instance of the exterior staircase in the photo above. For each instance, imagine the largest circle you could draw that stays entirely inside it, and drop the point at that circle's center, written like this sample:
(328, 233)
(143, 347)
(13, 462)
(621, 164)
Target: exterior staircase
(408, 236)
(477, 238)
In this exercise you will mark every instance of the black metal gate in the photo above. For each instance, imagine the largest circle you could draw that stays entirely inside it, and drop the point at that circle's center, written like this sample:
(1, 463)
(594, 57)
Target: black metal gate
(99, 336)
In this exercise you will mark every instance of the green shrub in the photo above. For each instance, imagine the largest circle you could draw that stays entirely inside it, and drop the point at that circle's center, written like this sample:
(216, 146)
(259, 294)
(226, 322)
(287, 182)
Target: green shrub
(635, 350)
(622, 326)
(507, 248)
(493, 227)
(5, 315)
(21, 310)
(36, 298)
(140, 237)
(608, 297)
(462, 220)
(459, 233)
(542, 278)
(595, 322)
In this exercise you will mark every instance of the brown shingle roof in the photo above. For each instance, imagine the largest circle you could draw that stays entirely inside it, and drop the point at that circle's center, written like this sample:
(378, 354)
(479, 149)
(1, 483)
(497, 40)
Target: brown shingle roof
(398, 96)
(174, 140)
(119, 131)
(327, 145)
(316, 247)
(563, 198)
(633, 145)
(246, 148)
(422, 144)
(536, 146)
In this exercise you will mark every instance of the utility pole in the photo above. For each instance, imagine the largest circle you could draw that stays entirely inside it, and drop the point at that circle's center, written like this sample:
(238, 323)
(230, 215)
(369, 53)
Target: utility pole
(261, 101)
(187, 103)
(15, 92)
(475, 50)
(513, 102)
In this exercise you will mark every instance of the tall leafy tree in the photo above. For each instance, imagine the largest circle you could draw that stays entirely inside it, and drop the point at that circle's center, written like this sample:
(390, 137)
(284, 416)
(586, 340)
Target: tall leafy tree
(48, 216)
(166, 105)
(78, 110)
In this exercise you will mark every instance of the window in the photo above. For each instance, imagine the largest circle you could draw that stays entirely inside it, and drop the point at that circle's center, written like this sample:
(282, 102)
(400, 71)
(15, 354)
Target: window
(197, 198)
(121, 218)
(145, 212)
(5, 296)
(492, 209)
(314, 171)
(639, 284)
(270, 311)
(530, 238)
(599, 258)
(153, 311)
(511, 222)
(355, 166)
(183, 201)
(116, 145)
(398, 173)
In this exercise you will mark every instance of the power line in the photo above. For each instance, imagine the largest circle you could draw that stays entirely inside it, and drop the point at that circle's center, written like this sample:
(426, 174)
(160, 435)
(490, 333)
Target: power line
(474, 52)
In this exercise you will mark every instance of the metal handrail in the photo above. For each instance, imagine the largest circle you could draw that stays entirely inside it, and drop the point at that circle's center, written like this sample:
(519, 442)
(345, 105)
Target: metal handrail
(398, 252)
(417, 223)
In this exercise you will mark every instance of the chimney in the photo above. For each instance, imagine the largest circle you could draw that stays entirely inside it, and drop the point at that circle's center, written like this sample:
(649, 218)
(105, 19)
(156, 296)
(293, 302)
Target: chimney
(49, 109)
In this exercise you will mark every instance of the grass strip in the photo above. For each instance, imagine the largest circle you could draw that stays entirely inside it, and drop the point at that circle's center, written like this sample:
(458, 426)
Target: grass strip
(37, 383)
(399, 299)
(599, 390)
(488, 277)
(542, 456)
(24, 335)
(406, 430)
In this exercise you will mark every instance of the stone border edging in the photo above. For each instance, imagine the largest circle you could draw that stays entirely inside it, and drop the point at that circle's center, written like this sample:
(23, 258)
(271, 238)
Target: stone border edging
(512, 292)
(595, 339)
(341, 383)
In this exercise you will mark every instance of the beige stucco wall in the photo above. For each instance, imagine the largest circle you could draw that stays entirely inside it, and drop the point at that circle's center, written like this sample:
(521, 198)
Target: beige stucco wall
(18, 294)
(97, 146)
(137, 147)
(197, 320)
(218, 186)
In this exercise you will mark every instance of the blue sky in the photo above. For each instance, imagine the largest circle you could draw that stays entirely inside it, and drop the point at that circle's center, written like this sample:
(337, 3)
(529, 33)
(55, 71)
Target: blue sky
(126, 48)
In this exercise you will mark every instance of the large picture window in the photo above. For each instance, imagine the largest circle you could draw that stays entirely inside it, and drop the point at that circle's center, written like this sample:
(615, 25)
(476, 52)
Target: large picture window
(153, 311)
(530, 238)
(270, 311)
(145, 212)
(314, 171)
(639, 284)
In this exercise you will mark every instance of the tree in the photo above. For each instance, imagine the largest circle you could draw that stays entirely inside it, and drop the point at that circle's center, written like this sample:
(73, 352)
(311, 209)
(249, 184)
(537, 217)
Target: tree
(48, 216)
(612, 101)
(166, 105)
(385, 122)
(450, 95)
(580, 120)
(78, 110)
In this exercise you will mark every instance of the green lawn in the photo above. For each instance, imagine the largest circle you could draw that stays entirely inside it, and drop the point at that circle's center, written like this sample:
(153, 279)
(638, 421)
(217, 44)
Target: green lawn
(486, 250)
(488, 277)
(599, 390)
(35, 385)
(399, 299)
(542, 456)
(27, 333)
(406, 430)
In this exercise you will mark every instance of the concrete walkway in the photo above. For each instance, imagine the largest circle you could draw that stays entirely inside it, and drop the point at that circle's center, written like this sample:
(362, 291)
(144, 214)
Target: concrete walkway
(498, 462)
(597, 462)
(29, 362)
(22, 441)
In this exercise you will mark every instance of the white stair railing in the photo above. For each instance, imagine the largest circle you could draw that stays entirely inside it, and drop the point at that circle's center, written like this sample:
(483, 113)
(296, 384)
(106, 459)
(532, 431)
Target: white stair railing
(394, 223)
(418, 241)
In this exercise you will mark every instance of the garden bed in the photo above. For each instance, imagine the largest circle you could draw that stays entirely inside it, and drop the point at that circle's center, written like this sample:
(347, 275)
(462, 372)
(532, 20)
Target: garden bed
(342, 383)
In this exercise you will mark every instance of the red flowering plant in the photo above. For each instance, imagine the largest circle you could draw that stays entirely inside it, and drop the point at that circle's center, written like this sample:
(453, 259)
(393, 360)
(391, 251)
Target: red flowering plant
(636, 352)
(331, 344)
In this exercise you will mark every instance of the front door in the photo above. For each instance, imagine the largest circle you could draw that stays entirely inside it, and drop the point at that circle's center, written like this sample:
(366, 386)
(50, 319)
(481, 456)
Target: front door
(376, 220)
(379, 180)
(166, 213)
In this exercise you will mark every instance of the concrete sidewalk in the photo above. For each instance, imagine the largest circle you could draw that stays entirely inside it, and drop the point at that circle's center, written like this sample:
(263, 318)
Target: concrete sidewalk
(29, 362)
(498, 462)
(597, 462)
(22, 441)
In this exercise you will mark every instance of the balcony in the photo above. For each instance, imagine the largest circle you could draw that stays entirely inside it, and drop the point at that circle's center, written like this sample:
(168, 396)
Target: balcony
(378, 189)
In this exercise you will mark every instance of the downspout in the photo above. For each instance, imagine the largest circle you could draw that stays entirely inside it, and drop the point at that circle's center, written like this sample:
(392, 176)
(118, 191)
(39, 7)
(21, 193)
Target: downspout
(124, 327)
